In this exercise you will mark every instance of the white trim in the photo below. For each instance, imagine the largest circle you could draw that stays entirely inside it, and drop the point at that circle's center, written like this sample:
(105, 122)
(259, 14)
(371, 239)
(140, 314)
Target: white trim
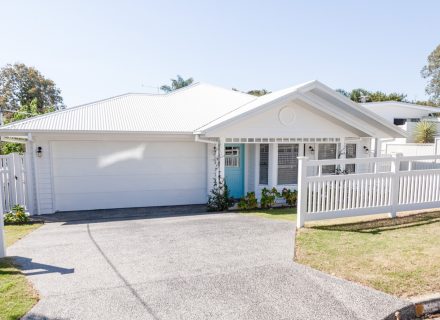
(246, 169)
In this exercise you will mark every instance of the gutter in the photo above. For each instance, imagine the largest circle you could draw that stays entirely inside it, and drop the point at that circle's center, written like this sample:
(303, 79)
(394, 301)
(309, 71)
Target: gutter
(198, 139)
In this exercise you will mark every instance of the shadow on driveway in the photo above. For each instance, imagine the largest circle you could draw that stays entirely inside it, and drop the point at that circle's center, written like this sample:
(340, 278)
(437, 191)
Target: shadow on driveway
(94, 216)
(29, 268)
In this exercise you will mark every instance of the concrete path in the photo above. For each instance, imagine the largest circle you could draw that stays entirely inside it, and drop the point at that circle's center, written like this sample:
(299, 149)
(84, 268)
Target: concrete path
(213, 266)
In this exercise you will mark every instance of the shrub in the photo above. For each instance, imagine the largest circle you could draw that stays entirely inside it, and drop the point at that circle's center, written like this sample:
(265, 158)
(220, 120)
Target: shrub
(425, 132)
(248, 202)
(219, 199)
(268, 197)
(290, 196)
(16, 216)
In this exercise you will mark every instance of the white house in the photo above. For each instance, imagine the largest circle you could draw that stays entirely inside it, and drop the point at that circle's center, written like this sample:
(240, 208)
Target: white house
(405, 116)
(138, 150)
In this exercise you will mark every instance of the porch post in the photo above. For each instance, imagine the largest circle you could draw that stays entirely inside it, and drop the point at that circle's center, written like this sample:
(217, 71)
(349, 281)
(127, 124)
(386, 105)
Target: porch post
(257, 168)
(221, 158)
(302, 192)
(273, 165)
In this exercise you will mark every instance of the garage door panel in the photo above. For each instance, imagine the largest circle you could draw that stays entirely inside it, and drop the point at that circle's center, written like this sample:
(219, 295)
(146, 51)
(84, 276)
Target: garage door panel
(102, 149)
(84, 167)
(105, 174)
(83, 201)
(128, 183)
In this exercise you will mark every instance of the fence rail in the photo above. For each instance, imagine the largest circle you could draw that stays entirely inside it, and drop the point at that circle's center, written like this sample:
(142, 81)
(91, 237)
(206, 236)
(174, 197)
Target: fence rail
(13, 181)
(404, 183)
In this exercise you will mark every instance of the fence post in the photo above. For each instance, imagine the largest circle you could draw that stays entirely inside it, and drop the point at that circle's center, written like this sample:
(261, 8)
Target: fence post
(302, 192)
(395, 169)
(2, 228)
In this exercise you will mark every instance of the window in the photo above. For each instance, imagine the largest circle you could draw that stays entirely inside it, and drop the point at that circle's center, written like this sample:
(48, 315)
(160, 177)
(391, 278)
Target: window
(399, 121)
(350, 153)
(232, 156)
(327, 151)
(264, 164)
(287, 163)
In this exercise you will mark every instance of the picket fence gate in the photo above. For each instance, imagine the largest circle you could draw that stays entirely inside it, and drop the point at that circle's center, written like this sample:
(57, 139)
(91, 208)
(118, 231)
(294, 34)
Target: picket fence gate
(375, 186)
(13, 181)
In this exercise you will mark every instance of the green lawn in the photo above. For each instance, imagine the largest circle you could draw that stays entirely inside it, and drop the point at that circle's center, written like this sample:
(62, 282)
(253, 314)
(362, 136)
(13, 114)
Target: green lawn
(275, 213)
(16, 294)
(15, 233)
(399, 256)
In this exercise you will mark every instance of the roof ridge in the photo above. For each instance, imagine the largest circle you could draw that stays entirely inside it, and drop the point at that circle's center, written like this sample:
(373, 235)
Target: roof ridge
(225, 114)
(273, 93)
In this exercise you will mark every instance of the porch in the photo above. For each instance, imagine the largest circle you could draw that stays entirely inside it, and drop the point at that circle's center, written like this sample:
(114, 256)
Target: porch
(251, 164)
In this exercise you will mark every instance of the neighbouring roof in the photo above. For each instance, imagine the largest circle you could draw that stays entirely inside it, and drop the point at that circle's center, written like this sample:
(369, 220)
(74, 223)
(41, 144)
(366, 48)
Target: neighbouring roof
(193, 109)
(384, 104)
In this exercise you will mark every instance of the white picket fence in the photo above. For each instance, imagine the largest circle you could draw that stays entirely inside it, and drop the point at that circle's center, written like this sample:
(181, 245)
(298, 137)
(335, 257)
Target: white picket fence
(377, 185)
(13, 180)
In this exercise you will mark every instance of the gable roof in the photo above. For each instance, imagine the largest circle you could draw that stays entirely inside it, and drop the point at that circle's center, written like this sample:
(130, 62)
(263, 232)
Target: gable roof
(197, 108)
(320, 97)
(180, 111)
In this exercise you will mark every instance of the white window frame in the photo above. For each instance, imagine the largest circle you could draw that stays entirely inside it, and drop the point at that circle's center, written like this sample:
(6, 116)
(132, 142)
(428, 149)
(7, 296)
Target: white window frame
(232, 157)
(293, 166)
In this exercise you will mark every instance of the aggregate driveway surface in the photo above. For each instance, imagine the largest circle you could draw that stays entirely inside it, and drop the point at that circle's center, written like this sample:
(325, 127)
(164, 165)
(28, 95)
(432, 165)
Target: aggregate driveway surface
(213, 266)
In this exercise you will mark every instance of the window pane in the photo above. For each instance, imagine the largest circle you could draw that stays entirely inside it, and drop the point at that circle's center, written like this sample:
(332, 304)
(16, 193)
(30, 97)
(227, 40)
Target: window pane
(350, 153)
(264, 163)
(327, 151)
(232, 156)
(287, 163)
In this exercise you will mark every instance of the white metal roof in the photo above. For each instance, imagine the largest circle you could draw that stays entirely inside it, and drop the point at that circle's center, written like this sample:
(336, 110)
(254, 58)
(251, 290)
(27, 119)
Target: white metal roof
(181, 111)
(193, 109)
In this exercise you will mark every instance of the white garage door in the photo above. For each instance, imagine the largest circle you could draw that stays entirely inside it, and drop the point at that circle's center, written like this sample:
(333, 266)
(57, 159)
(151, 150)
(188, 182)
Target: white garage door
(100, 175)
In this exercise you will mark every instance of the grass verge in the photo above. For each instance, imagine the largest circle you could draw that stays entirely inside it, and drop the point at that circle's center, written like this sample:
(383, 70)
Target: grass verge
(274, 213)
(16, 232)
(16, 294)
(399, 256)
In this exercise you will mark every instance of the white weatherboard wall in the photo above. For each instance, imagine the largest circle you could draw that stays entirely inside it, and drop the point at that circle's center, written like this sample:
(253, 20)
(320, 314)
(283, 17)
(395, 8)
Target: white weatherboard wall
(83, 175)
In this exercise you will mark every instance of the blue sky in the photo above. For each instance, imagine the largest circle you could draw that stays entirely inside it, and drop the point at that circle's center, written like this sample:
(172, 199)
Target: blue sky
(97, 49)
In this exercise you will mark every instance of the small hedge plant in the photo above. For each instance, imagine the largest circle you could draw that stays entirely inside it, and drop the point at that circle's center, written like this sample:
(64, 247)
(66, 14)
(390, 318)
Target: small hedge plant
(219, 198)
(290, 196)
(268, 197)
(16, 216)
(248, 202)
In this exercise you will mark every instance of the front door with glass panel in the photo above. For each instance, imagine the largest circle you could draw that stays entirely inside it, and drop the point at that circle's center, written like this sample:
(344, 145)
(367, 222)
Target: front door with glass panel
(234, 169)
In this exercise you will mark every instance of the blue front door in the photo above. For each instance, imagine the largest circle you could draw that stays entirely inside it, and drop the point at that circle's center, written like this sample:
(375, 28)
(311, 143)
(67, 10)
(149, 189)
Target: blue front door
(234, 169)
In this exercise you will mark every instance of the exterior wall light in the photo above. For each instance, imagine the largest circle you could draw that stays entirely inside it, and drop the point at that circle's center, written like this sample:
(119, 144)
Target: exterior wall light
(366, 149)
(311, 149)
(39, 152)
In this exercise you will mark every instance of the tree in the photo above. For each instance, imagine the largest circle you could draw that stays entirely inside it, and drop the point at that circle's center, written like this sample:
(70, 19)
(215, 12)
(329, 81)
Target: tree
(177, 84)
(20, 85)
(258, 92)
(362, 95)
(25, 111)
(425, 132)
(255, 92)
(432, 72)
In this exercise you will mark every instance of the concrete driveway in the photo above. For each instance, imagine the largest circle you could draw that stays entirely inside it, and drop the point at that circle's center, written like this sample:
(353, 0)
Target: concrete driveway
(212, 266)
